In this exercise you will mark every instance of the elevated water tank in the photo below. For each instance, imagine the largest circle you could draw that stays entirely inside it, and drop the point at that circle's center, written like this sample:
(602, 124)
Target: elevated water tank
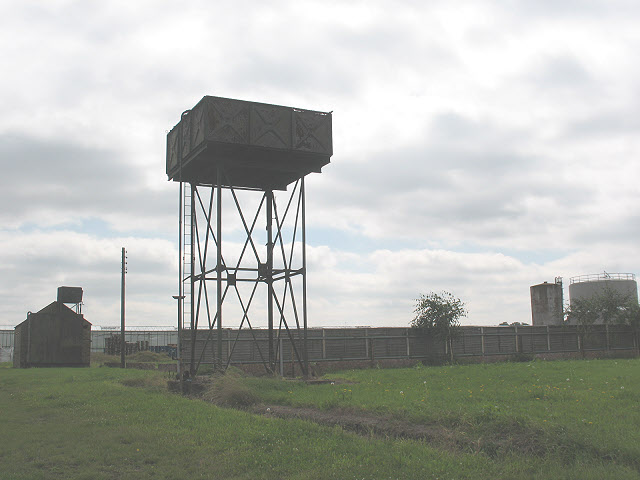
(546, 303)
(257, 145)
(586, 286)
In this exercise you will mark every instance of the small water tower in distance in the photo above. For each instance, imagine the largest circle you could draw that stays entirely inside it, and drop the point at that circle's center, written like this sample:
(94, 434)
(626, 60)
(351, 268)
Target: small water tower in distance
(546, 303)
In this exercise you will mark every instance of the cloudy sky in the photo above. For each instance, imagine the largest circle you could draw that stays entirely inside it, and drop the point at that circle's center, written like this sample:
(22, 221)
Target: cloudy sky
(480, 147)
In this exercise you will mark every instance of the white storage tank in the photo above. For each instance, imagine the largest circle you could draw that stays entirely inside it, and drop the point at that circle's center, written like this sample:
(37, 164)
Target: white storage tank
(586, 286)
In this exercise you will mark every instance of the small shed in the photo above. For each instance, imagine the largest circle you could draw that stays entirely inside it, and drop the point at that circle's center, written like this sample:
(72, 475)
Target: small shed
(56, 336)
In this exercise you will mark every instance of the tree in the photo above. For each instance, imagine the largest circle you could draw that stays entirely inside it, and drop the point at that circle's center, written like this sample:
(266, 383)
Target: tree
(438, 315)
(608, 307)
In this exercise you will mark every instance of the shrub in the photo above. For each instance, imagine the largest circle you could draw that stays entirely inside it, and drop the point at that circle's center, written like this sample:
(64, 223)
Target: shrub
(228, 390)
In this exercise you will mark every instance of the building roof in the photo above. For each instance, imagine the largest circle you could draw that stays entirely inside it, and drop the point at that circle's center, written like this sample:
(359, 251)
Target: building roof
(53, 308)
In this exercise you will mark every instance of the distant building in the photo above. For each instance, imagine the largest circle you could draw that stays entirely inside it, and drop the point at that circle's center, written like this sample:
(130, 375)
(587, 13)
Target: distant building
(546, 303)
(56, 336)
(584, 287)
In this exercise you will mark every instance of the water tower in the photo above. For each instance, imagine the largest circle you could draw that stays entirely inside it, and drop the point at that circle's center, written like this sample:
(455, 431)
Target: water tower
(241, 167)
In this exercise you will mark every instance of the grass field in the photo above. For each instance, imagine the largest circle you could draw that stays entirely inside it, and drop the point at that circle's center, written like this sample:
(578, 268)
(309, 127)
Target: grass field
(544, 420)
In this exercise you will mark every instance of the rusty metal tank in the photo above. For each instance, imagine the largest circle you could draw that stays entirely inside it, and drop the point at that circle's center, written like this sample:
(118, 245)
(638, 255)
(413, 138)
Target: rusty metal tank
(259, 146)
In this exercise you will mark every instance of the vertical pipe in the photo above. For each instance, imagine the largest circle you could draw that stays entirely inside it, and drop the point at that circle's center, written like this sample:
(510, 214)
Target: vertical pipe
(122, 340)
(180, 287)
(305, 353)
(219, 265)
(192, 268)
(180, 282)
(269, 275)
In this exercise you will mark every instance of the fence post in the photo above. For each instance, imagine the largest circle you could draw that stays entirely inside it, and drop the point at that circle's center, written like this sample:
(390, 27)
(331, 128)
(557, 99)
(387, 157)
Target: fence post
(407, 334)
(482, 340)
(372, 350)
(548, 339)
(607, 341)
(516, 331)
(324, 345)
(578, 336)
(366, 343)
(281, 359)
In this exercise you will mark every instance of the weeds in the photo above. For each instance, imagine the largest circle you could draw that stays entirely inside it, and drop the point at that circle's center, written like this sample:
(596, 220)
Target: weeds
(228, 390)
(155, 382)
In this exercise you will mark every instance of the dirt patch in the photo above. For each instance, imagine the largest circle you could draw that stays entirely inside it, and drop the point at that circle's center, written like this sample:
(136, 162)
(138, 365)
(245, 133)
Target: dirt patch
(491, 438)
(519, 440)
(361, 423)
(323, 381)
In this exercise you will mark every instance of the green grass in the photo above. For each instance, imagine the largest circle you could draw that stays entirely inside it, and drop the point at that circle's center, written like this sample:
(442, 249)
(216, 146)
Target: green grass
(569, 413)
(102, 423)
(85, 423)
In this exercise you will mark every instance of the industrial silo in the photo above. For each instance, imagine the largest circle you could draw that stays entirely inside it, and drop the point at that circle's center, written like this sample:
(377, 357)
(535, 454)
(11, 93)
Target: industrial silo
(587, 286)
(546, 303)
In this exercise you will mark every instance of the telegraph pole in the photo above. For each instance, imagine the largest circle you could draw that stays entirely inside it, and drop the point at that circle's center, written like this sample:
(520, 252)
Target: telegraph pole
(123, 344)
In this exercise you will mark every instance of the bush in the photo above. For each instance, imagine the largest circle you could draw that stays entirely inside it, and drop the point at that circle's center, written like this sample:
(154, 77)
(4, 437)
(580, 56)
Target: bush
(522, 357)
(154, 383)
(228, 390)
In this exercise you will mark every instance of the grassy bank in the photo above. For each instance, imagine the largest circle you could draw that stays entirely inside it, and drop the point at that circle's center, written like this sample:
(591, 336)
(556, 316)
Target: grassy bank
(572, 414)
(99, 424)
(110, 423)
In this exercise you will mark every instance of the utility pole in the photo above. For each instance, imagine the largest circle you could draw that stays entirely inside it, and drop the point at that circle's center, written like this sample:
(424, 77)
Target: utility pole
(123, 344)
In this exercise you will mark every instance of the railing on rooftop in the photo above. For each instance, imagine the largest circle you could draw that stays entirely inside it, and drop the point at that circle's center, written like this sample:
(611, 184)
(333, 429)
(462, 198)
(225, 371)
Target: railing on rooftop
(599, 277)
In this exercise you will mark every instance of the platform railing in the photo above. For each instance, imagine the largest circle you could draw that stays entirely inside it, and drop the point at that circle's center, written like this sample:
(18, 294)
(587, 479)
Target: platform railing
(599, 277)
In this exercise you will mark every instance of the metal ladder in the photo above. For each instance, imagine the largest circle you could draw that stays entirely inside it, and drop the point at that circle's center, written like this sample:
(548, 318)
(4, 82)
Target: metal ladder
(187, 253)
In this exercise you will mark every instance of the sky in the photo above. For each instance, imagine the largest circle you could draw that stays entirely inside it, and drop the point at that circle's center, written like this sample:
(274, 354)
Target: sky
(480, 147)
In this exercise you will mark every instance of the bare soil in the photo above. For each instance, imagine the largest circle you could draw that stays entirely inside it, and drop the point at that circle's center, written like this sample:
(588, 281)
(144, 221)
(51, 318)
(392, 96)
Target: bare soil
(362, 423)
(511, 439)
(493, 441)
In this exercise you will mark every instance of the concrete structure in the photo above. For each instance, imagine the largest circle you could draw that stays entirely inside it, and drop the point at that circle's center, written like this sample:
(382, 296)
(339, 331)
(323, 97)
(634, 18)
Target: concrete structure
(56, 336)
(546, 303)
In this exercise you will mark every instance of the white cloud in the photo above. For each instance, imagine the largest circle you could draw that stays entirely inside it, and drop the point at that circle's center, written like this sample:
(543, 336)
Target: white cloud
(479, 148)
(35, 264)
